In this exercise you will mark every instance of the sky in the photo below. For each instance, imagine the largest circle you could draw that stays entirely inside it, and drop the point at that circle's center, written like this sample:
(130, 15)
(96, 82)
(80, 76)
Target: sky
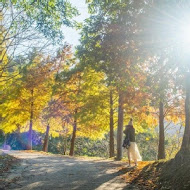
(72, 35)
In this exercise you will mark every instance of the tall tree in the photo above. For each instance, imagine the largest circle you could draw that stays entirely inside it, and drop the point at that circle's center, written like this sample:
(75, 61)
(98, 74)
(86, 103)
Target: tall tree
(165, 36)
(27, 94)
(78, 91)
(28, 24)
(108, 44)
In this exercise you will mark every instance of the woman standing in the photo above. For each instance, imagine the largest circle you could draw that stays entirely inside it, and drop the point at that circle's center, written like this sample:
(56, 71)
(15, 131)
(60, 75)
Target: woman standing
(133, 151)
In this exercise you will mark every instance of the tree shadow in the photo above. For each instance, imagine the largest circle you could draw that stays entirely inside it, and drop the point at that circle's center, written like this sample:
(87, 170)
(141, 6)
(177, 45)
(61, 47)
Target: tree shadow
(52, 172)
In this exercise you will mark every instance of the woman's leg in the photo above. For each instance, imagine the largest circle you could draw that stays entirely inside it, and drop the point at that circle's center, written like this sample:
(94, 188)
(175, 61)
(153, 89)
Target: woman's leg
(135, 161)
(129, 159)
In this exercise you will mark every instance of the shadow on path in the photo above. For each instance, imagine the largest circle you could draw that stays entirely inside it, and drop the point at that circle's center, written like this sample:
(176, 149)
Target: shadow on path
(46, 172)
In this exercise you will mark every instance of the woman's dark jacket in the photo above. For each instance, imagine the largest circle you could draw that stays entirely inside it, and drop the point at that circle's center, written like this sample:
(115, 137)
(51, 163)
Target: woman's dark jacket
(130, 133)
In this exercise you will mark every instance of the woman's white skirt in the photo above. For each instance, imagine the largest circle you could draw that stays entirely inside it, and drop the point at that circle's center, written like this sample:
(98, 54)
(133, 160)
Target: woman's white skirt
(134, 152)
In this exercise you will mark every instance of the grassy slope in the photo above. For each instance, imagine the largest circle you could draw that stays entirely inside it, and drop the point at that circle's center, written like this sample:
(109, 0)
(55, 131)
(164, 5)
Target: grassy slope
(160, 175)
(6, 163)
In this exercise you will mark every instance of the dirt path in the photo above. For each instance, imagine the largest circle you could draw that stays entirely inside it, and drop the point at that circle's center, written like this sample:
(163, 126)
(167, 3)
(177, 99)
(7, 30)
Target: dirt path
(51, 172)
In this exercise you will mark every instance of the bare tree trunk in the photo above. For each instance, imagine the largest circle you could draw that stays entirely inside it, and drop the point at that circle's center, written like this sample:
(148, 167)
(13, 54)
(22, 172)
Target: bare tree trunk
(120, 128)
(29, 146)
(45, 146)
(161, 144)
(65, 145)
(111, 151)
(184, 152)
(71, 153)
(23, 145)
(5, 140)
(186, 138)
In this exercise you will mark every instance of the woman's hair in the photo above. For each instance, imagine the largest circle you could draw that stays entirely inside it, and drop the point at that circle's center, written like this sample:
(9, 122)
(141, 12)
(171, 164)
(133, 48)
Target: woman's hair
(130, 122)
(128, 126)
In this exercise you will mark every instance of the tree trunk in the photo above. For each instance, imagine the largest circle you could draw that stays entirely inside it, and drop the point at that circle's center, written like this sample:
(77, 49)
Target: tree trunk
(161, 145)
(5, 140)
(184, 153)
(29, 146)
(120, 128)
(71, 153)
(45, 146)
(186, 138)
(111, 151)
(65, 145)
(22, 145)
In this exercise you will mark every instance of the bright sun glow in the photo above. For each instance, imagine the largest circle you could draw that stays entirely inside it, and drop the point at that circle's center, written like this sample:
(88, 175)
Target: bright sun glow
(184, 34)
(181, 38)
